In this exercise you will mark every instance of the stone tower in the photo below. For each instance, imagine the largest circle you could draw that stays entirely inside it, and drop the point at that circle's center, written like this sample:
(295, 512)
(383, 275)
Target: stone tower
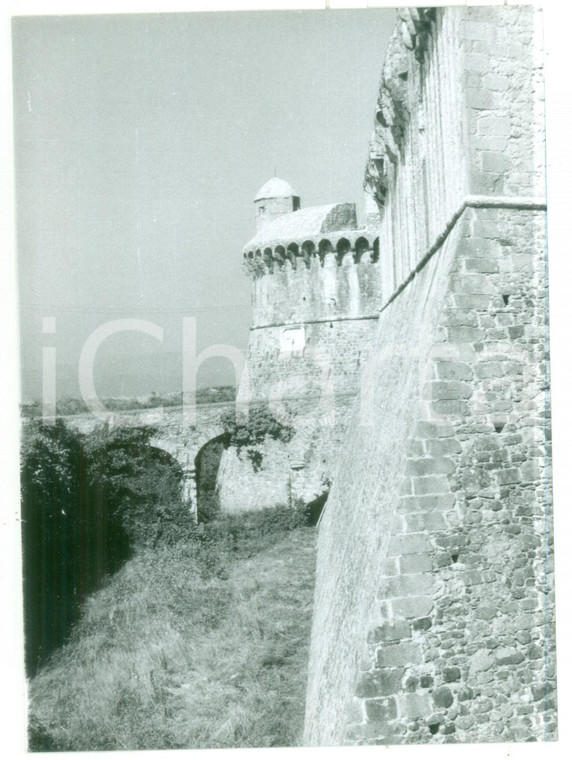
(315, 303)
(275, 198)
(315, 296)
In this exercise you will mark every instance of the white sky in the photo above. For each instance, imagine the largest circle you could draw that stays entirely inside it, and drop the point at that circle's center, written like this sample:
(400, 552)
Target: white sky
(140, 143)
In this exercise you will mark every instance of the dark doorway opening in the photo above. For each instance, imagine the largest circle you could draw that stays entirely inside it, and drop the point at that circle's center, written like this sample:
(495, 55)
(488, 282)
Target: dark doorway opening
(315, 507)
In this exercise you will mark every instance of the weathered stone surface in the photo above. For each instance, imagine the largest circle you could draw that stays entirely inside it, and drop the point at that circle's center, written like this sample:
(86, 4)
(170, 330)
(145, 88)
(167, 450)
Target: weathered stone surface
(480, 661)
(399, 629)
(508, 656)
(493, 125)
(451, 389)
(380, 683)
(432, 484)
(465, 694)
(486, 612)
(426, 681)
(408, 544)
(413, 606)
(430, 466)
(380, 710)
(395, 655)
(451, 673)
(428, 502)
(442, 697)
(422, 624)
(414, 705)
(415, 563)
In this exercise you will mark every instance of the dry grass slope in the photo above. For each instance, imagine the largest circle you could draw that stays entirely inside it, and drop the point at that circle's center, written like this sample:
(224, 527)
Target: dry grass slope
(173, 654)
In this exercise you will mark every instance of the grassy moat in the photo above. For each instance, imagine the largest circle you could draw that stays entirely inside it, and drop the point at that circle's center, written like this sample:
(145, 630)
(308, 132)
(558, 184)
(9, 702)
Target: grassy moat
(203, 643)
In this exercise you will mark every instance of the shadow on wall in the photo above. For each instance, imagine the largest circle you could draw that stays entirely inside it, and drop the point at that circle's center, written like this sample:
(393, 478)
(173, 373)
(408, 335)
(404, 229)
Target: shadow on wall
(313, 509)
(207, 463)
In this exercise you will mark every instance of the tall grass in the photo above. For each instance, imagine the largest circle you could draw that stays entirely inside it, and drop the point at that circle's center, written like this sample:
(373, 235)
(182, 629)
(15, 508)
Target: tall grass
(202, 644)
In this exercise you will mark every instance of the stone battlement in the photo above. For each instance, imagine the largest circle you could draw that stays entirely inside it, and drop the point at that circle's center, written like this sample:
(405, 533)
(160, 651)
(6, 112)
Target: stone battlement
(311, 234)
(358, 245)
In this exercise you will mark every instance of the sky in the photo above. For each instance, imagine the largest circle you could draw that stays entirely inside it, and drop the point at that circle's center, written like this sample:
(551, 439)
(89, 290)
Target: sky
(140, 143)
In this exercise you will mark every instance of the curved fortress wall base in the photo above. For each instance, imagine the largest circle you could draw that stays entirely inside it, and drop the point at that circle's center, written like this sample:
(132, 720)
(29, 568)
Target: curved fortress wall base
(434, 607)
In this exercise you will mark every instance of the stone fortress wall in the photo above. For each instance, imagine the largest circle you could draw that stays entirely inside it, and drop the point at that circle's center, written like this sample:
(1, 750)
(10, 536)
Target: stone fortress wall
(434, 603)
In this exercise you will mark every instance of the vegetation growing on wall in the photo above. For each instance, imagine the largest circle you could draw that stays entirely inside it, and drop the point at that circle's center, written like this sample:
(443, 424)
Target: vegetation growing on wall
(247, 434)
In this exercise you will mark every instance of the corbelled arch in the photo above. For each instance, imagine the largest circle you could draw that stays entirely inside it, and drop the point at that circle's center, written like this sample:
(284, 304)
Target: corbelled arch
(292, 252)
(324, 248)
(361, 246)
(342, 247)
(279, 256)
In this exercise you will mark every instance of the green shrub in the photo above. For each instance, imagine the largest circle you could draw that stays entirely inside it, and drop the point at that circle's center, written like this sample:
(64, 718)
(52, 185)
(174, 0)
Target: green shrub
(252, 430)
(87, 503)
(142, 484)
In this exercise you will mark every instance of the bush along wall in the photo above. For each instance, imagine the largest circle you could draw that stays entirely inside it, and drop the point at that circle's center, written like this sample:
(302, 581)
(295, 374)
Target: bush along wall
(88, 502)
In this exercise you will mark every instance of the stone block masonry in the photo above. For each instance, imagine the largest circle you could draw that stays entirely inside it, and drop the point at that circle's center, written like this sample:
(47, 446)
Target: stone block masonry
(434, 604)
(456, 626)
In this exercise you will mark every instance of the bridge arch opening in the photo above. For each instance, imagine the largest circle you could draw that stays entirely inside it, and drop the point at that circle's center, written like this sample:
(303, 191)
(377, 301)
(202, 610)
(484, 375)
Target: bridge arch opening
(207, 465)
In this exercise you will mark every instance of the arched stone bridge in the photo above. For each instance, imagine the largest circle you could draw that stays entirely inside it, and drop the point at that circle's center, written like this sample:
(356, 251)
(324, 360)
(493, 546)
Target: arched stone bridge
(181, 431)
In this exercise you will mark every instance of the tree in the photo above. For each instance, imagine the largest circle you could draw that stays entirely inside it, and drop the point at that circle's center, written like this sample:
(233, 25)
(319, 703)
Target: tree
(87, 503)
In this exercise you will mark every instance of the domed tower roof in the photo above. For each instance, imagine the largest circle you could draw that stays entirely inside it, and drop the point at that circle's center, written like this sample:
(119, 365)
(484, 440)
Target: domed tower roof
(307, 224)
(276, 188)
